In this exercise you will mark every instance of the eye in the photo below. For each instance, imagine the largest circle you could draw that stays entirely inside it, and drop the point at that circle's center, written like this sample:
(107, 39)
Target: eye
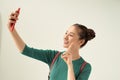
(71, 35)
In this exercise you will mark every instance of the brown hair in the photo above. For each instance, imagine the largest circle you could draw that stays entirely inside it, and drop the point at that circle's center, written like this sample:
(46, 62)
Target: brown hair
(85, 33)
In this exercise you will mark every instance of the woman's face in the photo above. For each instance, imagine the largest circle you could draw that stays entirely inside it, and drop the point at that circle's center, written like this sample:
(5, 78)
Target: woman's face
(71, 36)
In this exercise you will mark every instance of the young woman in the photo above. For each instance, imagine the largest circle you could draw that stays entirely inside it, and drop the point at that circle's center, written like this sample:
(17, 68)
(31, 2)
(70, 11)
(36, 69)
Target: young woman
(67, 64)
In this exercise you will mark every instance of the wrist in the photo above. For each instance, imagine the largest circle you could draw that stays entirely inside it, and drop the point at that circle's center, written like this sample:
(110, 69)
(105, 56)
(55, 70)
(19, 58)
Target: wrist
(70, 65)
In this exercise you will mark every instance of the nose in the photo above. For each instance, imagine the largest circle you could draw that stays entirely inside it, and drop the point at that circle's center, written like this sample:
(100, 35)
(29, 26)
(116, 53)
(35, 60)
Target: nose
(65, 36)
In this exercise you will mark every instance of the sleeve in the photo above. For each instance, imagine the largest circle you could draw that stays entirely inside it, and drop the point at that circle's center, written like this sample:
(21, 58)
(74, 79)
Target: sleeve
(39, 54)
(84, 75)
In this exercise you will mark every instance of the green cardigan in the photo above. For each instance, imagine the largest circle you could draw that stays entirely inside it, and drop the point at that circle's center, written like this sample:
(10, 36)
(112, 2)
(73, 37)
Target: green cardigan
(59, 69)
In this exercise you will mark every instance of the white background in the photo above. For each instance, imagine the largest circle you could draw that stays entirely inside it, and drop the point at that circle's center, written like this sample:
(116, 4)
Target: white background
(42, 24)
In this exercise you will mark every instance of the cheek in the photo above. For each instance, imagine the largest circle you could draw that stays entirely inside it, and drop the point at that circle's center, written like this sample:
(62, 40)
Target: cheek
(71, 40)
(75, 40)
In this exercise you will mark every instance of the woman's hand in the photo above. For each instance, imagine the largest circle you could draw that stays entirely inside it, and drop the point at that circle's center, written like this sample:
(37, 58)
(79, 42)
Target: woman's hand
(68, 55)
(12, 20)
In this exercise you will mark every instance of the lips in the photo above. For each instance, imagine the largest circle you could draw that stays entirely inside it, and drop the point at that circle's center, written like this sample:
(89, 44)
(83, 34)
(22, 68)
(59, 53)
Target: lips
(66, 42)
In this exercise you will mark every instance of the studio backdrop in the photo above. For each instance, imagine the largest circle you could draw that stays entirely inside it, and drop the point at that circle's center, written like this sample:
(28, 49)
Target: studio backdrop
(42, 25)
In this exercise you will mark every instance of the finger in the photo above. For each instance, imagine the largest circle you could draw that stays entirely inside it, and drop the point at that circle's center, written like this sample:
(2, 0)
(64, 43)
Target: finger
(65, 55)
(64, 58)
(17, 11)
(72, 44)
(12, 22)
(14, 14)
(13, 18)
(70, 48)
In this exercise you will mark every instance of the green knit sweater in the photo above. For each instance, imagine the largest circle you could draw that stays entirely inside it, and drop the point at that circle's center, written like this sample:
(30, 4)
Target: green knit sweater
(59, 69)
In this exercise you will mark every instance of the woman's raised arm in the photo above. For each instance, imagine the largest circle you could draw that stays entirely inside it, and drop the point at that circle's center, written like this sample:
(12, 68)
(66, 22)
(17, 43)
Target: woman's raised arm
(17, 39)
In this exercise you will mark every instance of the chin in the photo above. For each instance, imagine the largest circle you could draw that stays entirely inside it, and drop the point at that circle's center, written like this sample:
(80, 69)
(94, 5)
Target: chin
(65, 46)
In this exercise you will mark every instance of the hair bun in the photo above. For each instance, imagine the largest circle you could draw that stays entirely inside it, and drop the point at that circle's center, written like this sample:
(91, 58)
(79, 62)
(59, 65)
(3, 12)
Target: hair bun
(90, 34)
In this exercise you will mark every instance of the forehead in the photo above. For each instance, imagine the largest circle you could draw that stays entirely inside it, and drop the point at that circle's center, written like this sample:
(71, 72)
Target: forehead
(73, 29)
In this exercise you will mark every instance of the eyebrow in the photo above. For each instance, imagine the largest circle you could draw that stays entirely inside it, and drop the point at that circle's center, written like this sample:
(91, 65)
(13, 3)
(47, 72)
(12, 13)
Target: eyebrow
(71, 32)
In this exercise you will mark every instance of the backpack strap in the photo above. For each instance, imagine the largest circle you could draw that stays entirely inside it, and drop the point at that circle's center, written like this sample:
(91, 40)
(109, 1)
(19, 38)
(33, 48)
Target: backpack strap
(53, 61)
(82, 66)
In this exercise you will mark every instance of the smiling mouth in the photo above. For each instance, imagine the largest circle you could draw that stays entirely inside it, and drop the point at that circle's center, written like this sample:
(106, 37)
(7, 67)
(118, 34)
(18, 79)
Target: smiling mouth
(66, 42)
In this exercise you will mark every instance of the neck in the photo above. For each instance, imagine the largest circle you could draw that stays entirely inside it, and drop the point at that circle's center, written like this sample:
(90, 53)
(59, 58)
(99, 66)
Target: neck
(75, 56)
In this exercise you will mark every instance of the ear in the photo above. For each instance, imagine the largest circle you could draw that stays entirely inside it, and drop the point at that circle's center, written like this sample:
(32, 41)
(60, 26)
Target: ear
(81, 42)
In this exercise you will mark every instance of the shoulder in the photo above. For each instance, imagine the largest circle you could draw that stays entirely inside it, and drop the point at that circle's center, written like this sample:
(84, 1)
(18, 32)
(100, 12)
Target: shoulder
(87, 67)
